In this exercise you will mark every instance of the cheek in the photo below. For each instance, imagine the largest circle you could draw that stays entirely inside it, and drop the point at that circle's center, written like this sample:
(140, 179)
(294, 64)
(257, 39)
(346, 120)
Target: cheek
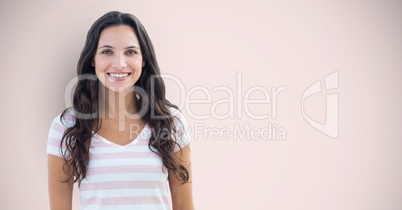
(136, 63)
(101, 64)
(100, 69)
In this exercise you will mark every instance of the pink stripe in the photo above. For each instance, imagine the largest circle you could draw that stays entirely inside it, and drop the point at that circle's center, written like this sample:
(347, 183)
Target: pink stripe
(55, 142)
(67, 116)
(124, 155)
(125, 169)
(179, 133)
(124, 185)
(58, 127)
(127, 200)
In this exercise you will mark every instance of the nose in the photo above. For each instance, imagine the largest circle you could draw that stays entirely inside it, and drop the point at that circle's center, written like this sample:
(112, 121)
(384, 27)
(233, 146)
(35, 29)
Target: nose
(119, 62)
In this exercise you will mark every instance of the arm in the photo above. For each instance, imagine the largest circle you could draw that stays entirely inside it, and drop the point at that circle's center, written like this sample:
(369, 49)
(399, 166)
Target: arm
(182, 197)
(60, 194)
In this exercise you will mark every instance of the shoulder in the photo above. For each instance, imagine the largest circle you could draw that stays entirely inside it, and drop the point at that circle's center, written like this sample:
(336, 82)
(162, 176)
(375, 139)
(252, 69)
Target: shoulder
(64, 119)
(178, 116)
(174, 111)
(59, 125)
(182, 130)
(179, 120)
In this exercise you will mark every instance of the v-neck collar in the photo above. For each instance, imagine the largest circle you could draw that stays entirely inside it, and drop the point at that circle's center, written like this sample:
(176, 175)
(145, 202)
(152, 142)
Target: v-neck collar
(128, 145)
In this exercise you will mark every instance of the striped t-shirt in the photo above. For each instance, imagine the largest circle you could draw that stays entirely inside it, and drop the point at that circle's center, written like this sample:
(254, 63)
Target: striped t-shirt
(121, 177)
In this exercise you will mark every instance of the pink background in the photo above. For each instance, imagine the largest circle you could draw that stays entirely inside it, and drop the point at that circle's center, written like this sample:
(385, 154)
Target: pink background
(205, 43)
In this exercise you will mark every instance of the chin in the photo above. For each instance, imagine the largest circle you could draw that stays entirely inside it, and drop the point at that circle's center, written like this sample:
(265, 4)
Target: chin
(121, 89)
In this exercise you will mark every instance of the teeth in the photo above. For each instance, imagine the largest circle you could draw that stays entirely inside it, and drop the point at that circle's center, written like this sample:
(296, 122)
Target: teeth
(119, 75)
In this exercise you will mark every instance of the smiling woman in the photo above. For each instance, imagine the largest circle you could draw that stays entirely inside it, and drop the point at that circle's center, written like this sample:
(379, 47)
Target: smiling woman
(114, 167)
(119, 48)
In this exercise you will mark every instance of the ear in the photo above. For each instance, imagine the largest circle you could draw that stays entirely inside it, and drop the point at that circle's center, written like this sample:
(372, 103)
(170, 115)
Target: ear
(143, 63)
(93, 63)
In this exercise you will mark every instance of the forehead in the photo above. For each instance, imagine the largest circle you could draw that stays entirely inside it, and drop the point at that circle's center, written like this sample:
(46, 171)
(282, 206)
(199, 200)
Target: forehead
(118, 36)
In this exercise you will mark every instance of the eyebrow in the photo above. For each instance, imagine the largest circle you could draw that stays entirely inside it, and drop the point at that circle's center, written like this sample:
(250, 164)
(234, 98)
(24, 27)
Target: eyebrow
(108, 46)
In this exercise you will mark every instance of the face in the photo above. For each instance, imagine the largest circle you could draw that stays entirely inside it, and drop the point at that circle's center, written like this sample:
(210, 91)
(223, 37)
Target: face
(118, 60)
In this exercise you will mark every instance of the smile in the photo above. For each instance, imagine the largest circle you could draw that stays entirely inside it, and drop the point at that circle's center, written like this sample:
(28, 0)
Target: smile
(119, 75)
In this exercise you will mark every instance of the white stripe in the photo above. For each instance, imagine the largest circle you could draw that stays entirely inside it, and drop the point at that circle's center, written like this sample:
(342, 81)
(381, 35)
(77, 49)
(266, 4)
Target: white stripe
(128, 207)
(111, 149)
(54, 150)
(123, 193)
(54, 153)
(55, 134)
(125, 177)
(124, 162)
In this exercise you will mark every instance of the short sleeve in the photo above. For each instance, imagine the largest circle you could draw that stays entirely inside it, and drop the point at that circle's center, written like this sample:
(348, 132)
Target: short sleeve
(56, 131)
(182, 131)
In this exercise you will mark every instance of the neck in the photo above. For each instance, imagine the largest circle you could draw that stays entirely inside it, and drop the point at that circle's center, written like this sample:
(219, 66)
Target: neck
(119, 105)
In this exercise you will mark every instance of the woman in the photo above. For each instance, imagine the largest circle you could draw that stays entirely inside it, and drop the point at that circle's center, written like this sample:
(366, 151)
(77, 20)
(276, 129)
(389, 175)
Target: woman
(123, 142)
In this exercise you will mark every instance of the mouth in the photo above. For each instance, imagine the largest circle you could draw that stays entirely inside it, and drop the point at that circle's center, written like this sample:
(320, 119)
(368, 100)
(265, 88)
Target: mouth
(118, 75)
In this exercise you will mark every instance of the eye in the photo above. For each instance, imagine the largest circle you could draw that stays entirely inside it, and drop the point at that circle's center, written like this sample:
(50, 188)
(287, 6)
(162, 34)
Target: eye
(131, 52)
(106, 52)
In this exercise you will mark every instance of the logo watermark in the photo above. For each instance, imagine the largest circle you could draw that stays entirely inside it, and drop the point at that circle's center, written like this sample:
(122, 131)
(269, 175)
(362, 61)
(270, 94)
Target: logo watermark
(331, 125)
(236, 106)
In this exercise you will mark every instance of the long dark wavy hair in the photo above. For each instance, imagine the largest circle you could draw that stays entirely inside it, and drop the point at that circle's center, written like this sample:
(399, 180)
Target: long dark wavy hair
(77, 138)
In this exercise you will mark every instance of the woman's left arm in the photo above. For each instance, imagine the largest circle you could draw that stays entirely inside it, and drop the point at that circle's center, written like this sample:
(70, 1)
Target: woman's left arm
(182, 195)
